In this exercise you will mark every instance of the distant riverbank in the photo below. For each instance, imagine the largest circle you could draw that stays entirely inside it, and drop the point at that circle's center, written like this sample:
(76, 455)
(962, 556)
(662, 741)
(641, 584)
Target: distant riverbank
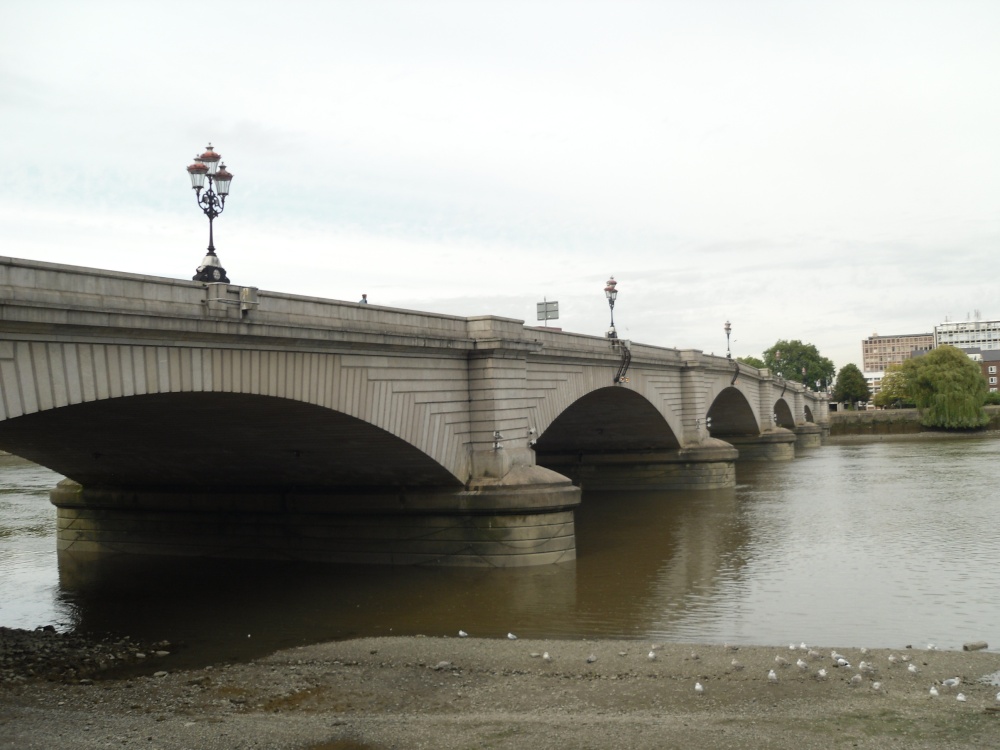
(899, 424)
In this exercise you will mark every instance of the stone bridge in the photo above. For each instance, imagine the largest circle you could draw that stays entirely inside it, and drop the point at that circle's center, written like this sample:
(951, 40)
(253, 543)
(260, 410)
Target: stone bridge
(213, 419)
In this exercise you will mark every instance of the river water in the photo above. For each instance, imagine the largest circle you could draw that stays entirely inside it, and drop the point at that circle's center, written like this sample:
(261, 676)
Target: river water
(882, 545)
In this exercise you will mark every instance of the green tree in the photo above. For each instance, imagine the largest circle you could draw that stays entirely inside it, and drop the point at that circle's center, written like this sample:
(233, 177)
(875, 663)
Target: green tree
(948, 388)
(788, 358)
(894, 392)
(851, 385)
(752, 361)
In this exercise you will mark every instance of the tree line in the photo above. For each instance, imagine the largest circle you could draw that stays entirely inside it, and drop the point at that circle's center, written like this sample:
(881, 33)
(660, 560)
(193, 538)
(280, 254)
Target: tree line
(944, 384)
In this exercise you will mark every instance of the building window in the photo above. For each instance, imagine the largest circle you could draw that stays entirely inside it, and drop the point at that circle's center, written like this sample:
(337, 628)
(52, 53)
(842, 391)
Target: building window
(993, 380)
(992, 369)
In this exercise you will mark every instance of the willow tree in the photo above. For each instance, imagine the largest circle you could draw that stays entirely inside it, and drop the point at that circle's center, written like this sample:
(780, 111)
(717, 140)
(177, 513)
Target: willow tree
(948, 388)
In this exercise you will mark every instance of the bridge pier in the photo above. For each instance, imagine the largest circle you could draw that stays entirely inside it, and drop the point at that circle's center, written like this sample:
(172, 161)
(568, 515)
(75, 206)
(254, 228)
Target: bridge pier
(775, 444)
(808, 436)
(707, 466)
(525, 518)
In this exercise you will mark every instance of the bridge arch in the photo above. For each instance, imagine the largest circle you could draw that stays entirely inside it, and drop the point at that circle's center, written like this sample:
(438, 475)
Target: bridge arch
(378, 396)
(783, 414)
(607, 420)
(185, 441)
(732, 415)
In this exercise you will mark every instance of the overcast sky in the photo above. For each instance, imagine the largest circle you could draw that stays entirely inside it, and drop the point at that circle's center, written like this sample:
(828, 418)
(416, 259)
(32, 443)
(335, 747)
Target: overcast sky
(807, 170)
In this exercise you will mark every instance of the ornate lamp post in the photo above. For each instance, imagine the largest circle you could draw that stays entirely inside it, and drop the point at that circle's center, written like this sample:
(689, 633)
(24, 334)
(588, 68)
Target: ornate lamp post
(611, 293)
(728, 329)
(212, 203)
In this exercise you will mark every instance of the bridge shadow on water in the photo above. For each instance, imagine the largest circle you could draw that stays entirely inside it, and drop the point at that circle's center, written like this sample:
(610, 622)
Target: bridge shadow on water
(645, 560)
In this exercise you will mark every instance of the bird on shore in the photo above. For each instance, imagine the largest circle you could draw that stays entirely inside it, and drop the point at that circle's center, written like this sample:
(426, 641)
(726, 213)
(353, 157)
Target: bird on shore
(694, 656)
(801, 665)
(462, 634)
(699, 688)
(591, 659)
(960, 697)
(511, 637)
(912, 668)
(546, 657)
(814, 654)
(877, 687)
(736, 665)
(821, 674)
(772, 676)
(842, 662)
(934, 692)
(857, 680)
(892, 658)
(781, 661)
(952, 682)
(866, 667)
(652, 656)
(834, 655)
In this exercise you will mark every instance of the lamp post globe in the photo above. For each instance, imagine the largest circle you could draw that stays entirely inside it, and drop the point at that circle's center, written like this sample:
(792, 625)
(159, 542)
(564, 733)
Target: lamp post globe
(611, 292)
(212, 202)
(728, 329)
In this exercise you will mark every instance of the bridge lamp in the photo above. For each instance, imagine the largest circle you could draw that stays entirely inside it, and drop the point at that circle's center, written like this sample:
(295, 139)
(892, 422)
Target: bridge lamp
(209, 165)
(728, 329)
(612, 294)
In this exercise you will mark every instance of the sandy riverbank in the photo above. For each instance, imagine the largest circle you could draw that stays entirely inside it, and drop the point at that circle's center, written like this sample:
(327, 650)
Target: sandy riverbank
(451, 693)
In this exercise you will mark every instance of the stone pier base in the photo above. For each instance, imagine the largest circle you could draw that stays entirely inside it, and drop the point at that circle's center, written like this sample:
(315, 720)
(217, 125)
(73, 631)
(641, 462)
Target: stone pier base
(706, 467)
(774, 445)
(808, 436)
(498, 526)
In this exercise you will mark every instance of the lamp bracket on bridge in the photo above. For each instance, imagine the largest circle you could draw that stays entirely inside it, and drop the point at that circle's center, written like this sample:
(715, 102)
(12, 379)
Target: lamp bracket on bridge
(219, 292)
(497, 438)
(625, 347)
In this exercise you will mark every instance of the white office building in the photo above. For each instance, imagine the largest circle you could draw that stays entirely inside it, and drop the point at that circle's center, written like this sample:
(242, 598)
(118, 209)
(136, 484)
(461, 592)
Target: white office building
(969, 334)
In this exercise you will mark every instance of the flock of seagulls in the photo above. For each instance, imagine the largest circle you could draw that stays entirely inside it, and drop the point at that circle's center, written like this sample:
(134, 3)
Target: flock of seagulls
(866, 667)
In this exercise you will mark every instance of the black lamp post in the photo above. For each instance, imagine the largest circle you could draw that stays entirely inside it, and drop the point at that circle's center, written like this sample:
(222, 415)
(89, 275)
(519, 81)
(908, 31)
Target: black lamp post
(611, 293)
(728, 329)
(212, 203)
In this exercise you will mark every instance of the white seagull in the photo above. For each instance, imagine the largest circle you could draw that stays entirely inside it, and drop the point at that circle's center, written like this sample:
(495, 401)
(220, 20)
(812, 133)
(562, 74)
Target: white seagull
(952, 682)
(546, 657)
(912, 668)
(591, 659)
(877, 687)
(736, 665)
(934, 692)
(960, 697)
(772, 676)
(511, 637)
(462, 634)
(892, 658)
(856, 680)
(821, 674)
(699, 688)
(781, 661)
(801, 665)
(652, 655)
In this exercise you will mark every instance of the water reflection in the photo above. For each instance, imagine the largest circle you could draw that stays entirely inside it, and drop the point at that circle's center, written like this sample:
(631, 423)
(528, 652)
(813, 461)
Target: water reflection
(879, 545)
